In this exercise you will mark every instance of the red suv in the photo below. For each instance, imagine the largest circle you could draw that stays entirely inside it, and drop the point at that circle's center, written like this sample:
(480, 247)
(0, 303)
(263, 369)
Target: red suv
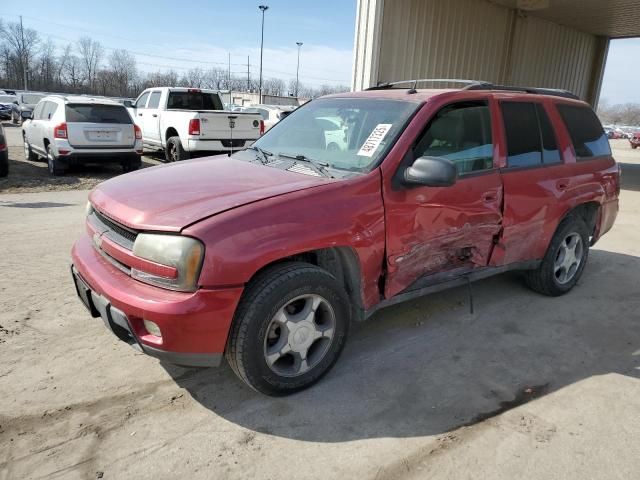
(266, 256)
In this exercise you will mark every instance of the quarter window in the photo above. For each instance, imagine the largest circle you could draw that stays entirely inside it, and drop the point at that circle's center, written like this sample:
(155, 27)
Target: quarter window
(586, 132)
(460, 133)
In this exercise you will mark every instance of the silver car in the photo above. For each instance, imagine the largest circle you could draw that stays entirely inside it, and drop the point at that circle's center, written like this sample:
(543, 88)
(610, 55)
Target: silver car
(73, 129)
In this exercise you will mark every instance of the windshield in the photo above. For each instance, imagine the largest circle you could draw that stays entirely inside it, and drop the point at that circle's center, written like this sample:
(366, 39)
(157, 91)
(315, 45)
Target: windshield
(31, 98)
(193, 101)
(343, 133)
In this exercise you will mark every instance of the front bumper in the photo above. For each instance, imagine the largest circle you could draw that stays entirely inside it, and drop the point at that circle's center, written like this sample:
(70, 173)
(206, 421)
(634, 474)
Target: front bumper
(194, 325)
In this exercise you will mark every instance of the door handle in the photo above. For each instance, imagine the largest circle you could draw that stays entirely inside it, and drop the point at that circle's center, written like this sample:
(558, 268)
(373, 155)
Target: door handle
(562, 184)
(154, 115)
(139, 114)
(489, 197)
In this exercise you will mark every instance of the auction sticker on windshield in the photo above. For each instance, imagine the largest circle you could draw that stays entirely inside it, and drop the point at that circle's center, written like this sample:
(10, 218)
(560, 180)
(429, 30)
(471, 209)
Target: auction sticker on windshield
(375, 139)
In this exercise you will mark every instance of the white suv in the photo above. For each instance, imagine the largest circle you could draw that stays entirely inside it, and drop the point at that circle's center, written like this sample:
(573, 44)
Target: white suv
(73, 129)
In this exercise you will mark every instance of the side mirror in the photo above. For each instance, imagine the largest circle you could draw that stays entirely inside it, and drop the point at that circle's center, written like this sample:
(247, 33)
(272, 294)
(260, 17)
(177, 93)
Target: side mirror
(128, 103)
(431, 172)
(26, 114)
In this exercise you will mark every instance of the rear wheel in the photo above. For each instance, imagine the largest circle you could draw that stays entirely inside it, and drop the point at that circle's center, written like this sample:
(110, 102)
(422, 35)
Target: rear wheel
(28, 153)
(131, 165)
(289, 329)
(56, 168)
(564, 261)
(174, 151)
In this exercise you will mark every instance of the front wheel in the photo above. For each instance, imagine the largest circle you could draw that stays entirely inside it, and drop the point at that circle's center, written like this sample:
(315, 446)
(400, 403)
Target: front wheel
(564, 261)
(174, 151)
(289, 328)
(29, 154)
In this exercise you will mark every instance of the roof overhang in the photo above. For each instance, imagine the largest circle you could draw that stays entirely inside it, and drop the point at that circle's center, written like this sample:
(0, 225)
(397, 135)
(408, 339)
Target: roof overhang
(610, 18)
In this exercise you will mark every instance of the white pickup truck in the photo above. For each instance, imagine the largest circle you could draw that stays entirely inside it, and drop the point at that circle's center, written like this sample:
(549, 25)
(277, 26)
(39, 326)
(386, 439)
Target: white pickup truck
(188, 121)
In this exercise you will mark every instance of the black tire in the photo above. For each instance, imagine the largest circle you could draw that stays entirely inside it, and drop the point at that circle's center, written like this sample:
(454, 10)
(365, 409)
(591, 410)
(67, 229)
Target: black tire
(56, 168)
(15, 120)
(4, 164)
(131, 165)
(174, 151)
(264, 297)
(28, 152)
(544, 279)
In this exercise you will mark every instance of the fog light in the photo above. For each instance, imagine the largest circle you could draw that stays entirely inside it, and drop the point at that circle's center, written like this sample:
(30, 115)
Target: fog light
(152, 328)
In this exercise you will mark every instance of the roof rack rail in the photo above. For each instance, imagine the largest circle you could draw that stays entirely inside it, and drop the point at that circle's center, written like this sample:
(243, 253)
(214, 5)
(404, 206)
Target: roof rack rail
(477, 85)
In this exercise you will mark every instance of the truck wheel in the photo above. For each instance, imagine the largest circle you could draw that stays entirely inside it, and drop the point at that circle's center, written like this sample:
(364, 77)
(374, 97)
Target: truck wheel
(174, 151)
(289, 328)
(28, 153)
(564, 261)
(55, 166)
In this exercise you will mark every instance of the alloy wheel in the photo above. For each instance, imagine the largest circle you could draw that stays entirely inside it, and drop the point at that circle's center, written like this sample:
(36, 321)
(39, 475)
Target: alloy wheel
(568, 258)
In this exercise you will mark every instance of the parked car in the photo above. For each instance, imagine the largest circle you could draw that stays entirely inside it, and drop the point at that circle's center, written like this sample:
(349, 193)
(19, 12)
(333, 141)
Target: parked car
(4, 154)
(74, 129)
(635, 140)
(25, 101)
(268, 257)
(271, 114)
(185, 122)
(6, 105)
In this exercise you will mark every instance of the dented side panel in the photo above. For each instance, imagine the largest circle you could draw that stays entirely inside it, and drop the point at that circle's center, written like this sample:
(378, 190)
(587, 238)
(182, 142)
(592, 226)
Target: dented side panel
(430, 230)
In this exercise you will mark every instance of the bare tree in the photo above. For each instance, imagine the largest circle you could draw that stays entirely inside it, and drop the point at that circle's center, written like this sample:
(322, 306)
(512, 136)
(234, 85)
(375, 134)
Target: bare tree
(22, 44)
(90, 55)
(123, 72)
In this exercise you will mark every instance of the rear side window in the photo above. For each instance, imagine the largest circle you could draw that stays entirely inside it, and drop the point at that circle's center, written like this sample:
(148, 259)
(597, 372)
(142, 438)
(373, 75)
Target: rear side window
(84, 113)
(154, 101)
(193, 101)
(460, 133)
(550, 151)
(587, 135)
(523, 134)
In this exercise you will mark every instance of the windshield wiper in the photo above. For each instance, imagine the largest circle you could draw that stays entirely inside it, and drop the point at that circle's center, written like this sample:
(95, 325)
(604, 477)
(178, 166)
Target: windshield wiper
(321, 167)
(264, 154)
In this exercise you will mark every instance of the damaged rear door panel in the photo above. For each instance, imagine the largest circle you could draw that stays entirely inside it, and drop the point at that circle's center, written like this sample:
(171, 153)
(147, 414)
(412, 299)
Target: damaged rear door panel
(434, 229)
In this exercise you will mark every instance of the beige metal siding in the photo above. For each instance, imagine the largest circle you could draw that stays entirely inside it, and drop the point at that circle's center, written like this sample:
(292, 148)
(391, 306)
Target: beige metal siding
(436, 39)
(550, 55)
(473, 39)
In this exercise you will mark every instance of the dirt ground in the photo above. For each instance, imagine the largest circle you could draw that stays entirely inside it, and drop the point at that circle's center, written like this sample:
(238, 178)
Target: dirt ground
(527, 387)
(25, 176)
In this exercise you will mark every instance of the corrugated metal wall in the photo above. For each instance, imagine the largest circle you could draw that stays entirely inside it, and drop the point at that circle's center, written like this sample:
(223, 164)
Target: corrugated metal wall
(475, 39)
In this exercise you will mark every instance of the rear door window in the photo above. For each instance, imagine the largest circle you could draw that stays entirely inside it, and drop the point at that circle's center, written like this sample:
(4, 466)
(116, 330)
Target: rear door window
(48, 110)
(523, 134)
(587, 135)
(84, 113)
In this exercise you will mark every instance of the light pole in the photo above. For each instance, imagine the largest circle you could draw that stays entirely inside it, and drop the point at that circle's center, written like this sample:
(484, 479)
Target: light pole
(263, 8)
(298, 68)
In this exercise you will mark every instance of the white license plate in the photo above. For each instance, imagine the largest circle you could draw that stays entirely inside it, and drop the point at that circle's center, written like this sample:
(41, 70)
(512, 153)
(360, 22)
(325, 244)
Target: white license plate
(101, 135)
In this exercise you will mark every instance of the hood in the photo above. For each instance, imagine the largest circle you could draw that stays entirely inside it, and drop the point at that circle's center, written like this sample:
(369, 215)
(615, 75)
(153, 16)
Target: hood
(171, 197)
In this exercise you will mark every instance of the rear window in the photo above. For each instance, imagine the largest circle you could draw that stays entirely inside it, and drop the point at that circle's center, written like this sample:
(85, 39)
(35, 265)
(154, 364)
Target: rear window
(193, 101)
(83, 113)
(588, 137)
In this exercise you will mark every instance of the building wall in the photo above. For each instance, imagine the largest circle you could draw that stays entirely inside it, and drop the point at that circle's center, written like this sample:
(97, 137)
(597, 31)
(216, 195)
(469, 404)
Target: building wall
(472, 39)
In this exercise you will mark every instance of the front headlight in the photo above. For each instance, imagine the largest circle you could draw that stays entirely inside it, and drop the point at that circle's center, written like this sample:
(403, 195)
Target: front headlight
(185, 254)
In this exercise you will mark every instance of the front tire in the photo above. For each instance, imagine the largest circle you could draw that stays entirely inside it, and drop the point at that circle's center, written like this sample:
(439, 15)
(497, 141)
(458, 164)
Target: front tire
(29, 154)
(564, 261)
(174, 151)
(289, 328)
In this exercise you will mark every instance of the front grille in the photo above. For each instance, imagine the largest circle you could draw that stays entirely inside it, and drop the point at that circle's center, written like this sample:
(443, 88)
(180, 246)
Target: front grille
(118, 229)
(235, 143)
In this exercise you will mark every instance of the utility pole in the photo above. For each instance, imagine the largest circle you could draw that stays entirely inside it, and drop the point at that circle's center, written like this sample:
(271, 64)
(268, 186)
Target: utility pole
(229, 79)
(248, 76)
(24, 55)
(263, 8)
(298, 68)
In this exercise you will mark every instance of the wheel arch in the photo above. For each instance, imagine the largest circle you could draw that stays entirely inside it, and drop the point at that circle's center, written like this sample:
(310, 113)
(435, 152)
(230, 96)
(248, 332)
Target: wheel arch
(342, 262)
(168, 133)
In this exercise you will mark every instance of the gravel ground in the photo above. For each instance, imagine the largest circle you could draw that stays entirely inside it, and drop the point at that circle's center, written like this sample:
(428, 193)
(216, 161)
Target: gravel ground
(25, 176)
(528, 387)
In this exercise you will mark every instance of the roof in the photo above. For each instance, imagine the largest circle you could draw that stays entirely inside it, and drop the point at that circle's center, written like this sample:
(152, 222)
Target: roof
(610, 18)
(87, 100)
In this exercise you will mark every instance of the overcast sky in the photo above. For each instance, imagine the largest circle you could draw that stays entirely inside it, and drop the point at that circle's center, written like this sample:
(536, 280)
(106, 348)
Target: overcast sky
(202, 33)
